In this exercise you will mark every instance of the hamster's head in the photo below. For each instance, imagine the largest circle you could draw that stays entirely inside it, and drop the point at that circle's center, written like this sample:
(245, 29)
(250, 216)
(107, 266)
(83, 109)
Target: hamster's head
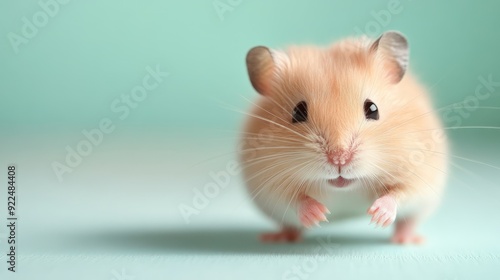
(330, 110)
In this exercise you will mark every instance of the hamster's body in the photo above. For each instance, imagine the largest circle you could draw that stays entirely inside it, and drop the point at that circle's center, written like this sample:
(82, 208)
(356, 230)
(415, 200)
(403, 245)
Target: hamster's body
(340, 131)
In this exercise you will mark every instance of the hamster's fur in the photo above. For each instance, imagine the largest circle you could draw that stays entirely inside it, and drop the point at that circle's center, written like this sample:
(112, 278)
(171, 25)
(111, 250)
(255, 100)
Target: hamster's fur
(315, 149)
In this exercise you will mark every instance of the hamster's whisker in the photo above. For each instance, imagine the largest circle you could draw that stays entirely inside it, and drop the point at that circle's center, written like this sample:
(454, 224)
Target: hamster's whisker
(237, 110)
(255, 104)
(425, 182)
(241, 151)
(423, 162)
(281, 158)
(241, 135)
(365, 182)
(284, 170)
(458, 127)
(290, 103)
(263, 138)
(273, 122)
(385, 171)
(292, 154)
(309, 129)
(295, 170)
(454, 164)
(373, 187)
(470, 173)
(277, 134)
(267, 183)
(372, 176)
(455, 156)
(466, 159)
(419, 177)
(429, 165)
(372, 163)
(296, 187)
(271, 148)
(272, 163)
(438, 110)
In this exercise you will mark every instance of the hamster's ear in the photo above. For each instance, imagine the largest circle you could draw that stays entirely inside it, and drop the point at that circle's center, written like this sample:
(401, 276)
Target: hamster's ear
(261, 66)
(392, 48)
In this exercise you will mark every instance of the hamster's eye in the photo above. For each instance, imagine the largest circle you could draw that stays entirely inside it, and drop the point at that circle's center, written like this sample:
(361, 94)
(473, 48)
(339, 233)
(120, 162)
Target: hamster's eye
(299, 113)
(371, 110)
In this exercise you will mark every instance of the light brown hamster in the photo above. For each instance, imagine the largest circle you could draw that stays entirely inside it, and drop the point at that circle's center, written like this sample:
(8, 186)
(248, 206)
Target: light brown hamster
(341, 132)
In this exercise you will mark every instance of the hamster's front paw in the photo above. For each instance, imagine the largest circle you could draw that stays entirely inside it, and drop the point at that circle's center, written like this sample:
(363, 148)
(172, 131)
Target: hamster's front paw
(383, 211)
(311, 212)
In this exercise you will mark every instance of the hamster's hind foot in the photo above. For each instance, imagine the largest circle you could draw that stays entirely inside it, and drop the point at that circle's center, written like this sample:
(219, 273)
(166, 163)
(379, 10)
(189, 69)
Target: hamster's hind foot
(287, 234)
(405, 233)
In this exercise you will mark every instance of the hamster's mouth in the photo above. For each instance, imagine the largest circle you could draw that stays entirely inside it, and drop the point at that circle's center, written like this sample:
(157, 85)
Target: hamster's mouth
(340, 182)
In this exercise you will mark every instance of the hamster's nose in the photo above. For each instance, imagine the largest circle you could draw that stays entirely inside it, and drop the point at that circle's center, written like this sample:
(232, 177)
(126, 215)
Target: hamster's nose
(339, 157)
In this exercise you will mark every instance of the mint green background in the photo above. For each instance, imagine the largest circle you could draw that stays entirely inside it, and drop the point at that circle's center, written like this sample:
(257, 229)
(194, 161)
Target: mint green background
(119, 207)
(93, 51)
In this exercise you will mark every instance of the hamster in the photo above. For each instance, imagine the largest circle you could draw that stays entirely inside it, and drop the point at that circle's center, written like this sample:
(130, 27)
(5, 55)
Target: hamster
(341, 132)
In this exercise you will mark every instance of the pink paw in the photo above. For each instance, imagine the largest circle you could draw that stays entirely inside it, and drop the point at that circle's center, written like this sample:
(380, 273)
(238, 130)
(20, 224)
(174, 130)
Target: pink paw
(383, 211)
(405, 233)
(285, 235)
(407, 239)
(311, 212)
